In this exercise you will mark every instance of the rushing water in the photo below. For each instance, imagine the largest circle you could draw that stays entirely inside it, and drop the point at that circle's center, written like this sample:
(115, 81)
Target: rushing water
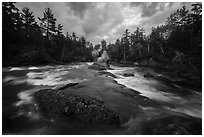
(19, 83)
(191, 104)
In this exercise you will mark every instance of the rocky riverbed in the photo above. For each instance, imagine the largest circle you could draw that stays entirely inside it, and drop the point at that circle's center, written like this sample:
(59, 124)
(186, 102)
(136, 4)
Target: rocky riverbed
(81, 99)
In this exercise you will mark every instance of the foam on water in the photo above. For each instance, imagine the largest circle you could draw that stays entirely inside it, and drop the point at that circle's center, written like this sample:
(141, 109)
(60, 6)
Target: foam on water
(142, 85)
(33, 68)
(148, 87)
(9, 78)
(191, 111)
(89, 63)
(49, 78)
(14, 80)
(25, 97)
(16, 68)
(52, 78)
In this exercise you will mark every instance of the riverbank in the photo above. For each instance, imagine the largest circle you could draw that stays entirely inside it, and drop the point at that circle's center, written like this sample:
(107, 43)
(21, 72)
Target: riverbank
(181, 75)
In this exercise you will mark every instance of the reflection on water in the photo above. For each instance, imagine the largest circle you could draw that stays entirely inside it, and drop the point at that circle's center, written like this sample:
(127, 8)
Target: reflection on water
(29, 121)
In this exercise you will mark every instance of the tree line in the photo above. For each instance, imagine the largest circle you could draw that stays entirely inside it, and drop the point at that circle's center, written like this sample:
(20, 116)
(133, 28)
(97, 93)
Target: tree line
(26, 42)
(180, 38)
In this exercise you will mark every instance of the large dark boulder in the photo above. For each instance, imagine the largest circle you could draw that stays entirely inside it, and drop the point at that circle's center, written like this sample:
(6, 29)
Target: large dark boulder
(57, 104)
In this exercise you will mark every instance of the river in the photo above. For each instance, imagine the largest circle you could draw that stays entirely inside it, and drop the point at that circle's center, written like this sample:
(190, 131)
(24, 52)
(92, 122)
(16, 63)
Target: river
(145, 105)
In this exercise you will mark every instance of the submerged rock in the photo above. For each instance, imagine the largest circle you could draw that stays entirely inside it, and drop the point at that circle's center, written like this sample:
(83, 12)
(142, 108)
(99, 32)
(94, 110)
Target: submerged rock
(57, 104)
(96, 66)
(128, 75)
(107, 74)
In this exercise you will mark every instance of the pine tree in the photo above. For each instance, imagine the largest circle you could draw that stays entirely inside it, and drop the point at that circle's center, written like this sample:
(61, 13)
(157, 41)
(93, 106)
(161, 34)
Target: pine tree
(59, 29)
(48, 23)
(29, 24)
(103, 44)
(11, 32)
(126, 43)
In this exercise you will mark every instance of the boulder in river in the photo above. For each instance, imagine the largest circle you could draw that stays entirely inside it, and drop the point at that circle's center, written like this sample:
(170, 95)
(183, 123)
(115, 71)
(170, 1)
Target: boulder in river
(57, 104)
(148, 75)
(128, 75)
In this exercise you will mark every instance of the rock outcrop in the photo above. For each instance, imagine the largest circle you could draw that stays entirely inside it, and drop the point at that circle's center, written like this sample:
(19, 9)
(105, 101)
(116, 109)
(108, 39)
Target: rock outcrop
(57, 104)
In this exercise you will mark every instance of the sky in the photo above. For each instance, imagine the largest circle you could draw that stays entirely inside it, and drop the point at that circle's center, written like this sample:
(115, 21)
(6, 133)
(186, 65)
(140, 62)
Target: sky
(97, 20)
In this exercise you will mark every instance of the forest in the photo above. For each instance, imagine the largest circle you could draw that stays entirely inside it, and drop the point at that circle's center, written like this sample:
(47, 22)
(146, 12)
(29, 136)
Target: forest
(58, 82)
(26, 42)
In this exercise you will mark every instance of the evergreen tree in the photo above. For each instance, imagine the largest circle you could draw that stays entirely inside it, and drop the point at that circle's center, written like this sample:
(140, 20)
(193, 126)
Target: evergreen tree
(103, 44)
(48, 23)
(11, 32)
(59, 29)
(126, 43)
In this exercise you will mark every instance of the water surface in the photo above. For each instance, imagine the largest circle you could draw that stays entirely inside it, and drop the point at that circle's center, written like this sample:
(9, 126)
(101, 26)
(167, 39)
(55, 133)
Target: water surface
(124, 95)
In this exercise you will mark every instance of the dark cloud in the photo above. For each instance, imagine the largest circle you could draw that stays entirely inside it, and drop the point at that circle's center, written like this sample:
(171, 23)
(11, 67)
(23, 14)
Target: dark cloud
(79, 8)
(150, 8)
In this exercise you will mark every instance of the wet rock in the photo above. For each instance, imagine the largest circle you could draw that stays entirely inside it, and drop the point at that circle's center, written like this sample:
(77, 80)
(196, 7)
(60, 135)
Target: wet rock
(173, 129)
(141, 100)
(107, 74)
(56, 104)
(148, 75)
(173, 125)
(128, 75)
(68, 85)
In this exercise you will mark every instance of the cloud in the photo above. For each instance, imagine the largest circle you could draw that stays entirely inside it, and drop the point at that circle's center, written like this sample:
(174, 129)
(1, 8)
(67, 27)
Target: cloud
(105, 20)
(150, 8)
(101, 20)
(79, 8)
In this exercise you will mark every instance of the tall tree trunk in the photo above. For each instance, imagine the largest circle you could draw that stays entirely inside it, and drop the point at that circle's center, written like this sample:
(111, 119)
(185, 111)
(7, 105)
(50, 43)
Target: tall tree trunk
(140, 53)
(124, 53)
(148, 48)
(162, 50)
